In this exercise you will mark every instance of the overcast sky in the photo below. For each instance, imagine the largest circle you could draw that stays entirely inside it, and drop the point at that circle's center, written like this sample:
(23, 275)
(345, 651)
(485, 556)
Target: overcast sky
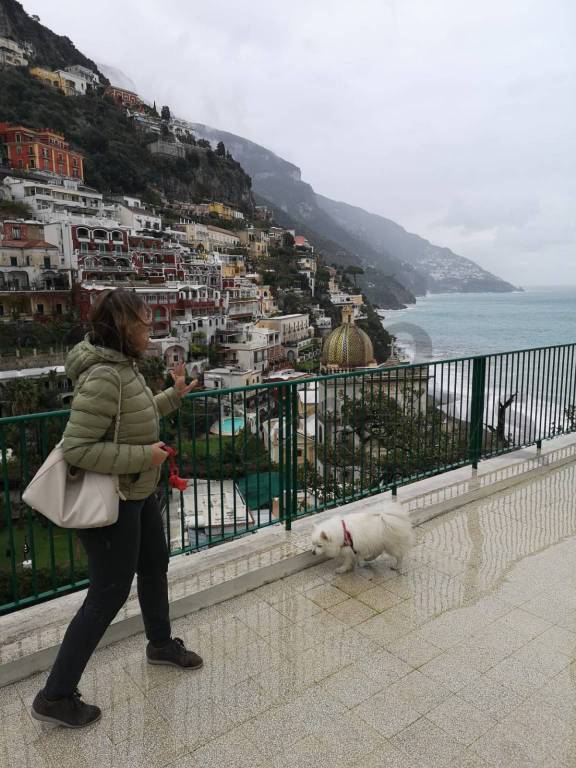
(455, 118)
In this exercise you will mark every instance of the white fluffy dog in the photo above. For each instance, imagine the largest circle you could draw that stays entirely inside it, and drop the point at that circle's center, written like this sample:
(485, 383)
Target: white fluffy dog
(362, 537)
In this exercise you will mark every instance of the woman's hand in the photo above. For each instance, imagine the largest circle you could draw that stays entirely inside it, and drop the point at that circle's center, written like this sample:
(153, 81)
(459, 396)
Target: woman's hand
(159, 455)
(178, 374)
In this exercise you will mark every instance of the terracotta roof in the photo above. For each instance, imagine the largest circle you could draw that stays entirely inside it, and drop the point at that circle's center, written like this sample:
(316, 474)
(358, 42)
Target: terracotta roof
(26, 244)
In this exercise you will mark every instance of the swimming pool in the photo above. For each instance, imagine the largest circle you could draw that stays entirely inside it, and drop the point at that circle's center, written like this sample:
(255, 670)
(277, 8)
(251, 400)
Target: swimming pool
(226, 426)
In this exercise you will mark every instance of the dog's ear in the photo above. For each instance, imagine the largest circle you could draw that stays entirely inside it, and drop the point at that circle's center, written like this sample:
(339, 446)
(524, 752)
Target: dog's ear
(324, 536)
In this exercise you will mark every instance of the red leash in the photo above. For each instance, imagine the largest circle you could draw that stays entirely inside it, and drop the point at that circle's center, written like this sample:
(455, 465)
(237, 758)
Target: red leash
(348, 538)
(174, 479)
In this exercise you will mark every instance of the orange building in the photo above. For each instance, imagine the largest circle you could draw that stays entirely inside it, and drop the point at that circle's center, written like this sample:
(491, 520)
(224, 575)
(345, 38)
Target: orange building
(125, 98)
(27, 150)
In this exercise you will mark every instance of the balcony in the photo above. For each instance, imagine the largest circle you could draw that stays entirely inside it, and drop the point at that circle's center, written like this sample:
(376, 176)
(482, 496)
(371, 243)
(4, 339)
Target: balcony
(464, 659)
(108, 268)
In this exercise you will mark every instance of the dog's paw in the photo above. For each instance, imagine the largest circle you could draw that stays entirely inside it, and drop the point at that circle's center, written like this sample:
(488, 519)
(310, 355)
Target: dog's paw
(342, 569)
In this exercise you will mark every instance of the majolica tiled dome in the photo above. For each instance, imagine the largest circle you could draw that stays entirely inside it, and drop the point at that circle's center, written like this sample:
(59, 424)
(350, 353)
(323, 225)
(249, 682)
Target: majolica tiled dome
(348, 346)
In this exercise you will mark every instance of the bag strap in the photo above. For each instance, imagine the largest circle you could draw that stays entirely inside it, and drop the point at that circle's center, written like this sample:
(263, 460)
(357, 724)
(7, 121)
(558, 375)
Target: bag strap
(92, 370)
(117, 424)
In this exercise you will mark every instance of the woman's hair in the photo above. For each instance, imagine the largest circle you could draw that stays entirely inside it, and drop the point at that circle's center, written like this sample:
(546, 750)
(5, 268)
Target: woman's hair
(113, 317)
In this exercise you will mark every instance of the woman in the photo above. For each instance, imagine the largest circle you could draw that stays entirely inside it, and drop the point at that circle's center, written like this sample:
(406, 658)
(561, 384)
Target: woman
(120, 323)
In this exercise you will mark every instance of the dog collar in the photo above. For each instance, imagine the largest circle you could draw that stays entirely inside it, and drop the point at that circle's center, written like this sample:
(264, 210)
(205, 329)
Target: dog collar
(348, 538)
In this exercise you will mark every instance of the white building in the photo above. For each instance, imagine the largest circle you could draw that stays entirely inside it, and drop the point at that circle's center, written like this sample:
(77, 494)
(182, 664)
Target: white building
(72, 83)
(250, 347)
(132, 214)
(207, 326)
(13, 54)
(221, 240)
(295, 333)
(57, 199)
(60, 234)
(341, 299)
(89, 77)
(228, 377)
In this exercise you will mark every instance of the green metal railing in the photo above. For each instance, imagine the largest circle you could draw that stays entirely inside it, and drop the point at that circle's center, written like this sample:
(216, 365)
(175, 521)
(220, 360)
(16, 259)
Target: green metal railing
(269, 453)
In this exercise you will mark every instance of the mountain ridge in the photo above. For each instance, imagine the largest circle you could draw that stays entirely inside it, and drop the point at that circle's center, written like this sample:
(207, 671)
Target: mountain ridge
(379, 244)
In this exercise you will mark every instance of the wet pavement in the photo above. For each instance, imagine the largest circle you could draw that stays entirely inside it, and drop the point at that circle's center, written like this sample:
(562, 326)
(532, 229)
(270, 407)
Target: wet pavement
(467, 660)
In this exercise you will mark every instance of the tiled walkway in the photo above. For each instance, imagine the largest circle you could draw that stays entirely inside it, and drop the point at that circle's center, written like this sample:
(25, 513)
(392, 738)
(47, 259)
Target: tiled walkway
(467, 661)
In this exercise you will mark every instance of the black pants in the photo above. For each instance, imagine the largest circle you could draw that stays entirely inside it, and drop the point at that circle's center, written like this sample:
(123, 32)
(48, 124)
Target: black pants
(135, 544)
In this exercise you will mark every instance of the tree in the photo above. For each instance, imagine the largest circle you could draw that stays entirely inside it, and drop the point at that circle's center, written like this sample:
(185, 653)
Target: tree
(221, 149)
(288, 240)
(154, 372)
(23, 396)
(10, 209)
(165, 113)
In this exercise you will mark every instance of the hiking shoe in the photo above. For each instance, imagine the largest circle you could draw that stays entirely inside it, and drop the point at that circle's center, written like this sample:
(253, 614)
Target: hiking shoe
(175, 654)
(70, 712)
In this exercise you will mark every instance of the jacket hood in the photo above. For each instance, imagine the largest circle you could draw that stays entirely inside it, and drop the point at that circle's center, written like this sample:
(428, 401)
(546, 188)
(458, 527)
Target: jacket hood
(85, 354)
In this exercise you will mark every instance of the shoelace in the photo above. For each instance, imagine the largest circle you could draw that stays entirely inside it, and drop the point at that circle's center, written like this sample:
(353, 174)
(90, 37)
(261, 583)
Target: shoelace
(179, 643)
(75, 698)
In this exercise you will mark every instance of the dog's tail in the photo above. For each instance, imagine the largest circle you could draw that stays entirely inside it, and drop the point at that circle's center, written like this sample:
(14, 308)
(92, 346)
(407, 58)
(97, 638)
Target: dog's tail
(398, 526)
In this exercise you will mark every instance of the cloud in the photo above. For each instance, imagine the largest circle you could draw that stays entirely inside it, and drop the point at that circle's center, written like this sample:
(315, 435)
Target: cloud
(481, 213)
(453, 118)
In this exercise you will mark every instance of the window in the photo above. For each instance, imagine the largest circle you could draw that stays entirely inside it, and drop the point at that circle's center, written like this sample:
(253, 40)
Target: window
(40, 309)
(30, 150)
(82, 232)
(1, 310)
(18, 150)
(84, 247)
(175, 358)
(47, 262)
(16, 233)
(75, 161)
(58, 309)
(18, 138)
(13, 261)
(46, 165)
(32, 163)
(20, 163)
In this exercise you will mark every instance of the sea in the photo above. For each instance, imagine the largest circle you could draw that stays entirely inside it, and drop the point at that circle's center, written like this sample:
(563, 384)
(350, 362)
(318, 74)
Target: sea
(541, 383)
(443, 326)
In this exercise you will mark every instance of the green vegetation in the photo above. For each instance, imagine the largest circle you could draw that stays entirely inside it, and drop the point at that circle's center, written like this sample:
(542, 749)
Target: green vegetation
(10, 209)
(25, 335)
(117, 156)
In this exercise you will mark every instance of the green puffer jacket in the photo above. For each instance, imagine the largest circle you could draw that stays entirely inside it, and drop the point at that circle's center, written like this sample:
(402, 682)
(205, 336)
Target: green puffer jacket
(89, 434)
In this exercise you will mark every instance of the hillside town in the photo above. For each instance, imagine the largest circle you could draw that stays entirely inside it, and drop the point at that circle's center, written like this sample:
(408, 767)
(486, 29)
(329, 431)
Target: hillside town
(234, 296)
(205, 269)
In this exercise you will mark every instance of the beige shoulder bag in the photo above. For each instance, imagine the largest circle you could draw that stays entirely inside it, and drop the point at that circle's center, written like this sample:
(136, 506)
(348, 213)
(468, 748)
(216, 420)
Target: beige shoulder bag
(72, 497)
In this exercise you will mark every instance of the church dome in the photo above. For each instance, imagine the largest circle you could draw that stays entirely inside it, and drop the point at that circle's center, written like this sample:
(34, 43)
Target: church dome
(348, 346)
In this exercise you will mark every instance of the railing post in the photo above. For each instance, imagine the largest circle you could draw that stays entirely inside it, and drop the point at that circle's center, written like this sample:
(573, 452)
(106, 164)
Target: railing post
(476, 429)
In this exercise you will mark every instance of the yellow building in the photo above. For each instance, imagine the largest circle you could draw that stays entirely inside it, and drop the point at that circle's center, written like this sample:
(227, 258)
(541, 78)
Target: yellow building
(70, 83)
(46, 76)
